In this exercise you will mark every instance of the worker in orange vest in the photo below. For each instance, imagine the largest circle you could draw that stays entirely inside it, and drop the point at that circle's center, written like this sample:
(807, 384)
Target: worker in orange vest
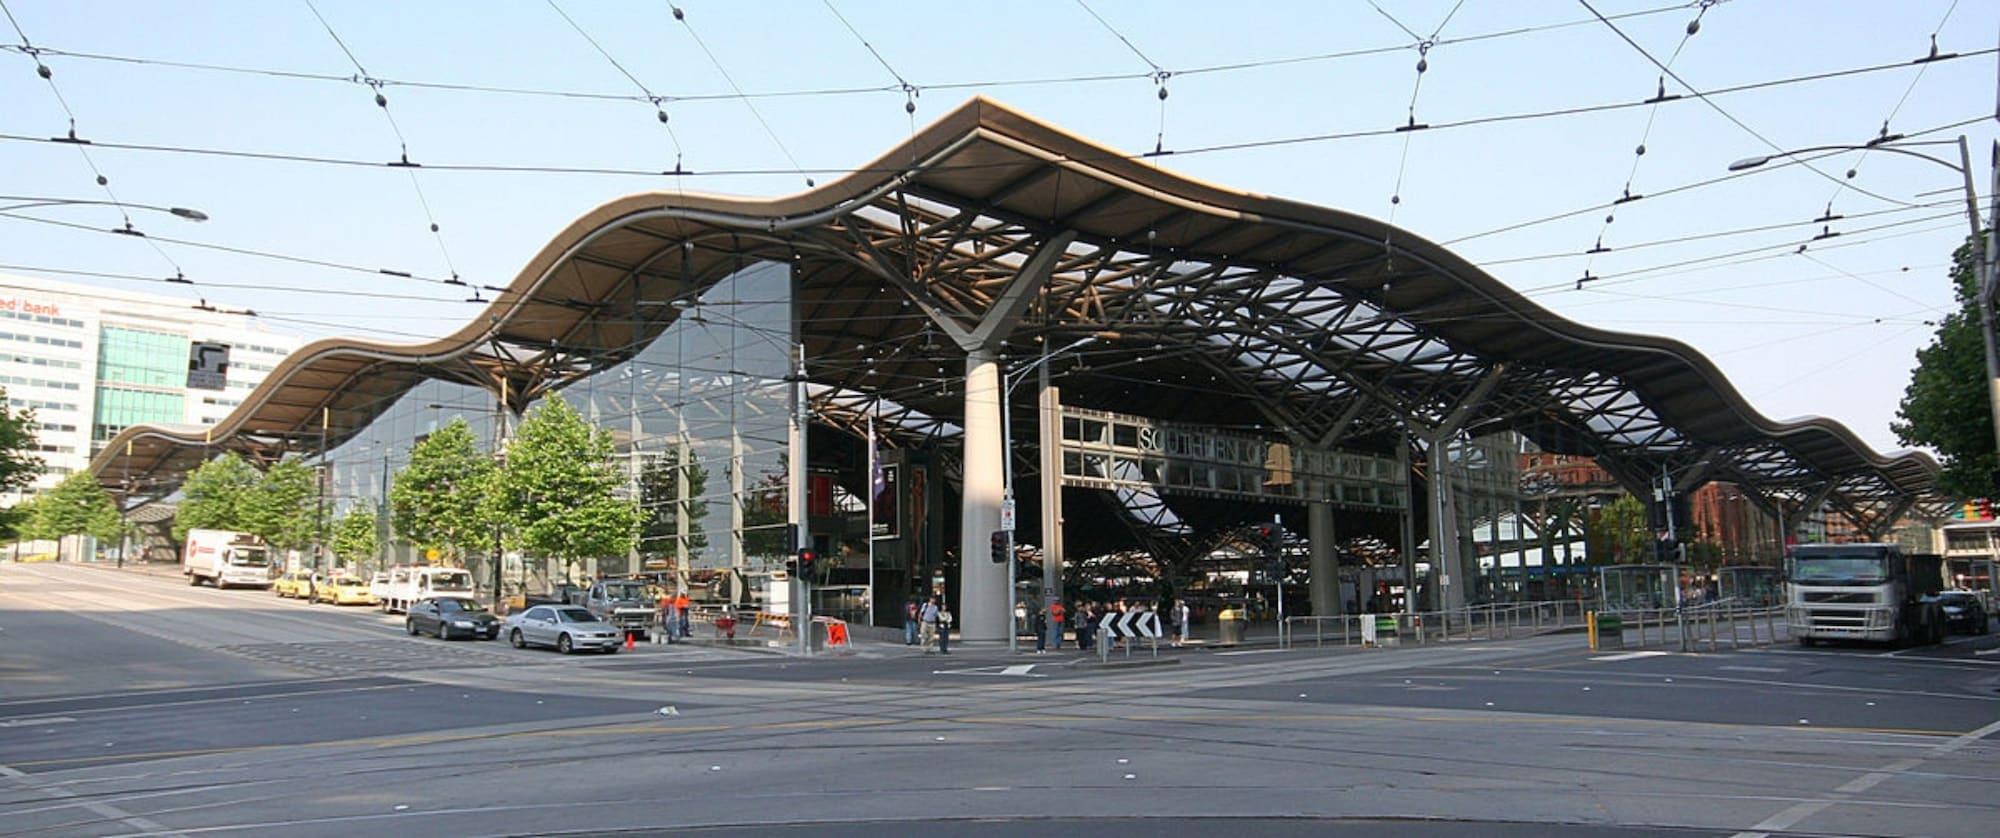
(681, 605)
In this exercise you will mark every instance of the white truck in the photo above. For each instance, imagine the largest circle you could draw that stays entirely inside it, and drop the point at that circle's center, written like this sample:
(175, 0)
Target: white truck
(1871, 592)
(223, 558)
(406, 585)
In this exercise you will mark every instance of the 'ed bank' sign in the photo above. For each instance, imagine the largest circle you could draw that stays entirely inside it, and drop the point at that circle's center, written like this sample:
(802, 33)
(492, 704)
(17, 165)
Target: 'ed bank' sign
(29, 307)
(208, 366)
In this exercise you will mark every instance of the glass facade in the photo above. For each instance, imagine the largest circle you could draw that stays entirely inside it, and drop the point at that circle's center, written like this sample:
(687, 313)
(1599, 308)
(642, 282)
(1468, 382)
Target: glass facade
(140, 375)
(699, 420)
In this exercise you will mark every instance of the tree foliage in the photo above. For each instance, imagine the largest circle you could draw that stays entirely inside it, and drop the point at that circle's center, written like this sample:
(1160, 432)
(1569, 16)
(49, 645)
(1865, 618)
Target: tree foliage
(216, 496)
(1620, 533)
(18, 462)
(77, 506)
(354, 538)
(440, 499)
(1945, 406)
(559, 489)
(282, 506)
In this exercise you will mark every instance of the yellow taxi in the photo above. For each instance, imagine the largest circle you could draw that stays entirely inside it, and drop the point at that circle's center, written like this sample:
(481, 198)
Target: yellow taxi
(296, 584)
(345, 590)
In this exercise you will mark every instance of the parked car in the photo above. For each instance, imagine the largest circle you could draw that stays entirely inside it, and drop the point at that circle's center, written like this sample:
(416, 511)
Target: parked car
(449, 617)
(344, 590)
(1963, 613)
(566, 627)
(292, 583)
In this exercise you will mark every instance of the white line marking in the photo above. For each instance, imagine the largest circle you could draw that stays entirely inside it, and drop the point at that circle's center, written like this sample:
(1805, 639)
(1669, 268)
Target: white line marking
(1753, 668)
(45, 720)
(1252, 652)
(104, 809)
(1018, 669)
(1628, 656)
(1800, 811)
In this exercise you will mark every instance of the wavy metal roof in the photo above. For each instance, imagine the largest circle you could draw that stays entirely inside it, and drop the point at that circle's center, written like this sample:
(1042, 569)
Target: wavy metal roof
(1318, 322)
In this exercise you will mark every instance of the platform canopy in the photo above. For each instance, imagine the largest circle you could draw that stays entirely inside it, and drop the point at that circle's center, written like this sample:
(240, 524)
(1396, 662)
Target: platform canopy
(1230, 308)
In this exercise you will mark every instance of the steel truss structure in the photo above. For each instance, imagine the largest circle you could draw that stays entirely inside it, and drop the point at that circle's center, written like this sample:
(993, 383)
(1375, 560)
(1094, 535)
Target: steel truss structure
(989, 235)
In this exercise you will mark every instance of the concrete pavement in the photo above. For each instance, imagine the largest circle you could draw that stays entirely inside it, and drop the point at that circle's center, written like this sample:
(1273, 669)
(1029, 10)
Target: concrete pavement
(1527, 736)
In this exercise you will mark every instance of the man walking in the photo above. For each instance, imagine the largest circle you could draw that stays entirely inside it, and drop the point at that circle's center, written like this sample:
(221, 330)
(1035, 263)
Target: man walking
(681, 605)
(944, 629)
(910, 610)
(1057, 614)
(929, 617)
(1181, 618)
(1040, 626)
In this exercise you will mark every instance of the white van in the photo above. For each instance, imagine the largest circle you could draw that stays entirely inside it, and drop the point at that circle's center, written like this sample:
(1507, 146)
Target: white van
(406, 585)
(223, 558)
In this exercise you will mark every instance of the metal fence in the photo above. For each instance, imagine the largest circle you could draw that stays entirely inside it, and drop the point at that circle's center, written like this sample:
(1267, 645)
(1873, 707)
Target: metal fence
(1474, 622)
(1711, 626)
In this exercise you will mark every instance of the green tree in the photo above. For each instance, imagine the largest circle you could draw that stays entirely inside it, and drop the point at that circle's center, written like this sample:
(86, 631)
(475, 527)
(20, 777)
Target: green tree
(281, 507)
(439, 499)
(560, 488)
(78, 506)
(1620, 533)
(18, 462)
(660, 498)
(354, 538)
(1945, 405)
(216, 496)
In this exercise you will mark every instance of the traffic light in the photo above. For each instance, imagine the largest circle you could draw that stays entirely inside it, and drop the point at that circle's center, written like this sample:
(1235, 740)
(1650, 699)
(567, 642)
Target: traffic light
(807, 559)
(1001, 548)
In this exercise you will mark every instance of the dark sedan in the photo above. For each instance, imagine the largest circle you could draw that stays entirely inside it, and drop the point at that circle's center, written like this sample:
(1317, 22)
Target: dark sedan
(449, 617)
(1963, 613)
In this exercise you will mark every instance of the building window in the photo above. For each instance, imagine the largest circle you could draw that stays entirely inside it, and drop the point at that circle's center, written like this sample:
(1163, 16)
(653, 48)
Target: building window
(119, 407)
(147, 359)
(40, 318)
(42, 340)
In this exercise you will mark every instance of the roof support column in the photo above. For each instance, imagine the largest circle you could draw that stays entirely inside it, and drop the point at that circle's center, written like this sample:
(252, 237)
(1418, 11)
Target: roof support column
(986, 602)
(1325, 557)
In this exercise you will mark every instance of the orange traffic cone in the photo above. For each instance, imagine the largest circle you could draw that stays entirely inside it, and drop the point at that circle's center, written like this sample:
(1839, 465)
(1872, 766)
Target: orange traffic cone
(628, 641)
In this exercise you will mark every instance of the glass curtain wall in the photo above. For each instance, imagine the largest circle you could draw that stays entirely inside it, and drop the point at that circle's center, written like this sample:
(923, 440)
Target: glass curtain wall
(699, 422)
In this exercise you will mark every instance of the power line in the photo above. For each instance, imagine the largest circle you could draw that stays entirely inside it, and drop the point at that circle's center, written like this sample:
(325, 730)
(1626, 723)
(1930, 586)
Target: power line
(681, 16)
(658, 102)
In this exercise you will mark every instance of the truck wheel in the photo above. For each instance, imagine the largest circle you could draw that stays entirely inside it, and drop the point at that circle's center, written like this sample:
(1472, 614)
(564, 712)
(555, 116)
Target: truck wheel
(194, 581)
(515, 639)
(563, 645)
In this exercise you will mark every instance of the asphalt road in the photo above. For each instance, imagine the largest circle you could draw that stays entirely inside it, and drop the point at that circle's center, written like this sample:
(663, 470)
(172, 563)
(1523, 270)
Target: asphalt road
(135, 705)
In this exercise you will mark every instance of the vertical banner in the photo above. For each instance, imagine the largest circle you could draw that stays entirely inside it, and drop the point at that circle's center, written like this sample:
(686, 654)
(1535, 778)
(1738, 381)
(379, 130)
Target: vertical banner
(886, 506)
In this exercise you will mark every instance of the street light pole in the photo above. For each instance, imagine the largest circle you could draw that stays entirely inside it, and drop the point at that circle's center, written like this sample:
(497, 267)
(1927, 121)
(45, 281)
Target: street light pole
(1983, 257)
(1007, 385)
(32, 201)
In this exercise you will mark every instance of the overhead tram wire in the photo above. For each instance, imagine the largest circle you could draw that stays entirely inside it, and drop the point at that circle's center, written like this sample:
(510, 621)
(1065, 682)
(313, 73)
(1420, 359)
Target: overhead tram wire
(1704, 97)
(286, 157)
(81, 144)
(1639, 151)
(681, 16)
(658, 102)
(1789, 160)
(1251, 64)
(1714, 234)
(1923, 64)
(1411, 126)
(910, 91)
(409, 168)
(1159, 75)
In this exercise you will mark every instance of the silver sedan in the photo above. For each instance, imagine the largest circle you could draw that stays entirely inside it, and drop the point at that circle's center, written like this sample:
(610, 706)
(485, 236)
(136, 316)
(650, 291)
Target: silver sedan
(566, 627)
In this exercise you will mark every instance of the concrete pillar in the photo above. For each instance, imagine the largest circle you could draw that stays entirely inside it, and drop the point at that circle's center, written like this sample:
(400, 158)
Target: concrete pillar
(1325, 563)
(1409, 524)
(984, 601)
(1049, 441)
(1447, 569)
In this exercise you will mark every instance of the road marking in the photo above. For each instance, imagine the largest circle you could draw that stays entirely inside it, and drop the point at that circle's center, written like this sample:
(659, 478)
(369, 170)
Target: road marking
(1251, 652)
(105, 809)
(1753, 668)
(1628, 656)
(1800, 811)
(1019, 670)
(45, 720)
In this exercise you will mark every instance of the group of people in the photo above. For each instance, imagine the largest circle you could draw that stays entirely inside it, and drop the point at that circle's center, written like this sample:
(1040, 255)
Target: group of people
(674, 610)
(928, 623)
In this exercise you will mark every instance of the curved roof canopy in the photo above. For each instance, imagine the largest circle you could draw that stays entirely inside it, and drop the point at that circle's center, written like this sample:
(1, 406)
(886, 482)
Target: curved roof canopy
(1321, 324)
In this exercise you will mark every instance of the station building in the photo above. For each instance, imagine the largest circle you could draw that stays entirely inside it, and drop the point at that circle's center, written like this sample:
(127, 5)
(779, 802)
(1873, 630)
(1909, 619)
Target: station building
(998, 322)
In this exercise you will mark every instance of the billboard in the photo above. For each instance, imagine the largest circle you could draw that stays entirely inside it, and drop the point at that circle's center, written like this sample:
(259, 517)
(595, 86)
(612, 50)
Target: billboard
(208, 366)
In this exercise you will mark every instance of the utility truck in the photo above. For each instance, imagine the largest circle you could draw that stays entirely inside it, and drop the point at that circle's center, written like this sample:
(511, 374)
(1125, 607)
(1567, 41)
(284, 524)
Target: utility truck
(223, 558)
(406, 585)
(1872, 592)
(623, 603)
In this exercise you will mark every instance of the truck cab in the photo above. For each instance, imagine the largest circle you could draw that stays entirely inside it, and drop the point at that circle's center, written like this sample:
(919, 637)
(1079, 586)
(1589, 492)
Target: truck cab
(1872, 592)
(621, 602)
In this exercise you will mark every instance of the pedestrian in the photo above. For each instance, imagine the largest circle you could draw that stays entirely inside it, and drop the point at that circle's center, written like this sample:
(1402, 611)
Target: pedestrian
(1057, 615)
(944, 629)
(1041, 628)
(1182, 617)
(682, 605)
(910, 610)
(667, 616)
(1086, 630)
(929, 617)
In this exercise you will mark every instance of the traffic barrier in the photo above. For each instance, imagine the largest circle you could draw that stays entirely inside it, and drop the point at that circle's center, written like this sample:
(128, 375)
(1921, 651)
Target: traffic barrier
(1606, 631)
(837, 638)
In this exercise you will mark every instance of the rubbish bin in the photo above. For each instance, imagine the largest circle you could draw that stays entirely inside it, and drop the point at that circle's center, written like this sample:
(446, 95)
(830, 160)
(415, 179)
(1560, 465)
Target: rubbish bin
(1231, 621)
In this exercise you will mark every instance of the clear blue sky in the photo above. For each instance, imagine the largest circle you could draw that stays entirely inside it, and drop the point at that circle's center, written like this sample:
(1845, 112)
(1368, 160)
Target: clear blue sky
(1797, 333)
